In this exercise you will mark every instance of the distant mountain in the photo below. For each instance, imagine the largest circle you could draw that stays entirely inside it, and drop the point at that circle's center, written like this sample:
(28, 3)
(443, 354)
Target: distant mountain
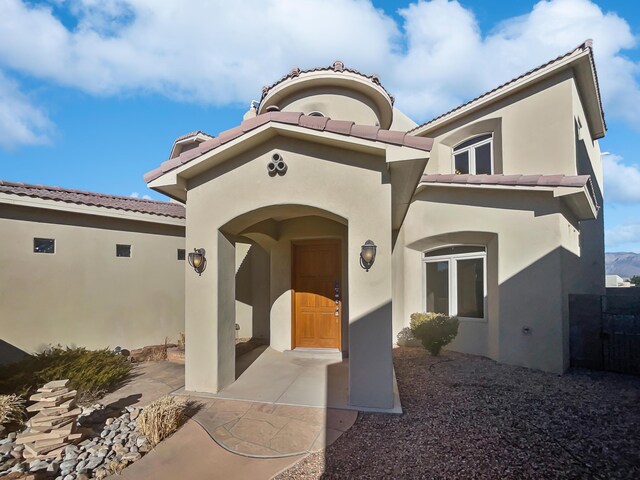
(625, 264)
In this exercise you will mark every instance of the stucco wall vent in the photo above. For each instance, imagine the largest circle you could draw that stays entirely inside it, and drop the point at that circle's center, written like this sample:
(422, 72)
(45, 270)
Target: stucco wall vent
(277, 165)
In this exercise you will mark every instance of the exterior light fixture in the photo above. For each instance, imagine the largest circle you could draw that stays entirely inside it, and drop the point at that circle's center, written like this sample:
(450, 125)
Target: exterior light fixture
(197, 260)
(368, 254)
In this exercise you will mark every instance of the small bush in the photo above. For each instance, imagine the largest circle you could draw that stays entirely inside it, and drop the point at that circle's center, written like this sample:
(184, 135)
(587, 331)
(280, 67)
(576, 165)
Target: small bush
(12, 410)
(91, 372)
(181, 340)
(434, 330)
(161, 418)
(405, 338)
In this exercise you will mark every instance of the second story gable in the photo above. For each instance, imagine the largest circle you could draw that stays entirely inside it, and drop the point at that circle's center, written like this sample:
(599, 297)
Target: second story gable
(547, 121)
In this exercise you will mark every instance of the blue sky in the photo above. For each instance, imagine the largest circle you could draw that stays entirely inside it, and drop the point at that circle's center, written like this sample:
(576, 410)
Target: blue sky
(92, 92)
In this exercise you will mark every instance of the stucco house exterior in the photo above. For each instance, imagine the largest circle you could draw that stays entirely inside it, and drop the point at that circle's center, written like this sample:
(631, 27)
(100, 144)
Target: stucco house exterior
(489, 212)
(87, 269)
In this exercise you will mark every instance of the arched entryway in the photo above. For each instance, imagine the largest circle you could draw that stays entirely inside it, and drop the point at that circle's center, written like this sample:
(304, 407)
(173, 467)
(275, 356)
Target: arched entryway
(291, 281)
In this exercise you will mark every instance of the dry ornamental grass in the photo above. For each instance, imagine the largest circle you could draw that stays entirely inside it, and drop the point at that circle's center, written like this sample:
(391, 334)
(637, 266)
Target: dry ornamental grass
(11, 409)
(160, 419)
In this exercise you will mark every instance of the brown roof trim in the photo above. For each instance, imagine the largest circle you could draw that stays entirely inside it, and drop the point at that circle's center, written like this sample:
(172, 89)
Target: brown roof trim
(81, 197)
(322, 124)
(578, 181)
(337, 66)
(587, 45)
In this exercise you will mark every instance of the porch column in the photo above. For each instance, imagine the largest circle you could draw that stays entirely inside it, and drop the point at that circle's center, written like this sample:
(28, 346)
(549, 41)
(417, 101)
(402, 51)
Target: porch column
(210, 313)
(370, 324)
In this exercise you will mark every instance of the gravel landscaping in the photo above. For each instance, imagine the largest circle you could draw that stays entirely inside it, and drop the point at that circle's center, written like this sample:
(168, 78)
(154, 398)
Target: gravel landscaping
(113, 444)
(469, 417)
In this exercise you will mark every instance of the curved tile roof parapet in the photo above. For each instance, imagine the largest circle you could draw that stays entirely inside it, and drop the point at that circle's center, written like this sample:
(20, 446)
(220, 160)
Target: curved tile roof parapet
(337, 66)
(81, 197)
(510, 180)
(587, 45)
(322, 124)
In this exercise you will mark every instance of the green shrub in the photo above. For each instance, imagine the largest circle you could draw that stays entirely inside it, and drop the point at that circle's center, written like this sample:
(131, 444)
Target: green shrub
(91, 372)
(434, 330)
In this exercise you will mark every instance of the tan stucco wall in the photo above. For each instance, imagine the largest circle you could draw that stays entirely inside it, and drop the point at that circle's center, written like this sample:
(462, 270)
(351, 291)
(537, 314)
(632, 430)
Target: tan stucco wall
(538, 258)
(334, 102)
(252, 290)
(526, 236)
(83, 294)
(350, 185)
(533, 131)
(591, 274)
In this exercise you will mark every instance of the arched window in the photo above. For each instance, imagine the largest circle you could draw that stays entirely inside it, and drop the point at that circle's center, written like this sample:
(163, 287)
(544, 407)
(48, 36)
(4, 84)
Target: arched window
(474, 156)
(316, 114)
(455, 281)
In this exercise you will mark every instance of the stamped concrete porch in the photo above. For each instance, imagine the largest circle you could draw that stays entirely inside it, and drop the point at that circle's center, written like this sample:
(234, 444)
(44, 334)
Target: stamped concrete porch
(282, 404)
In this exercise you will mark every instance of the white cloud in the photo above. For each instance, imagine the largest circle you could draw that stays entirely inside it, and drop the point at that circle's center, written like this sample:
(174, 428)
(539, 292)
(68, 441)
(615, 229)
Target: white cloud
(221, 52)
(137, 195)
(624, 234)
(448, 61)
(621, 181)
(21, 122)
(213, 51)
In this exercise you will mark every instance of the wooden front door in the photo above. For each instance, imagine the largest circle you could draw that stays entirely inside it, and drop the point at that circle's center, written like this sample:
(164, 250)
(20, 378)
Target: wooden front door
(317, 294)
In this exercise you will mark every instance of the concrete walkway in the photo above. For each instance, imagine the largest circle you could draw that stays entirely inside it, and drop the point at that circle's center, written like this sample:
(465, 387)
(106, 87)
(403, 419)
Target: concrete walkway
(148, 382)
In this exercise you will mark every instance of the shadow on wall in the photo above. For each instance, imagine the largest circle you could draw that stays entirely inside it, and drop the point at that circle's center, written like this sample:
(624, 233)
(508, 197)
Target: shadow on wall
(252, 291)
(370, 360)
(592, 231)
(527, 319)
(10, 353)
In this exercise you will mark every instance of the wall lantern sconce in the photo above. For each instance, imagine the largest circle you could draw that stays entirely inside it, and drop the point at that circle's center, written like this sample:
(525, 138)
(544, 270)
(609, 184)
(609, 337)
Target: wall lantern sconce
(368, 254)
(197, 260)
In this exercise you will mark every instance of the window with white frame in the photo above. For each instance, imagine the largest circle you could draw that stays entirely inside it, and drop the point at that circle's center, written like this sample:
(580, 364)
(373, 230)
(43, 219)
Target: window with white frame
(455, 281)
(474, 156)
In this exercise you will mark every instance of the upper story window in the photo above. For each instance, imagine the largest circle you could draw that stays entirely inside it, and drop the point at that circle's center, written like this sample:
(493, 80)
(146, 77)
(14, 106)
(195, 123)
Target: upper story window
(123, 250)
(474, 156)
(315, 113)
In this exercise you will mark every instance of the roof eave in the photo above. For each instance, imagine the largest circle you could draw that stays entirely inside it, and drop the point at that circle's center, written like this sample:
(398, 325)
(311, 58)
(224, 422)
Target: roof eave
(577, 199)
(174, 182)
(59, 205)
(581, 60)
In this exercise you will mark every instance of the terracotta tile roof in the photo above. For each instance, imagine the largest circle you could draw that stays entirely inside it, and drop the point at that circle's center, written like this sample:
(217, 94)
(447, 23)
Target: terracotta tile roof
(510, 180)
(337, 66)
(80, 197)
(191, 134)
(322, 124)
(587, 45)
